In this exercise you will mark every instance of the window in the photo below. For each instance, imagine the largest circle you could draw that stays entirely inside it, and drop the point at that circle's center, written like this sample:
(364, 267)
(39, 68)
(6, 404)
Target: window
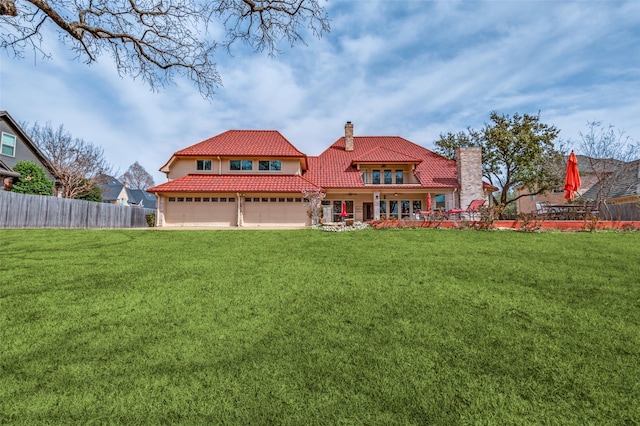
(8, 145)
(172, 199)
(399, 177)
(273, 200)
(223, 200)
(180, 199)
(247, 200)
(383, 209)
(387, 177)
(197, 199)
(203, 165)
(232, 200)
(265, 200)
(256, 200)
(189, 199)
(440, 202)
(393, 208)
(298, 200)
(205, 199)
(417, 205)
(281, 200)
(214, 199)
(375, 177)
(272, 165)
(240, 165)
(404, 206)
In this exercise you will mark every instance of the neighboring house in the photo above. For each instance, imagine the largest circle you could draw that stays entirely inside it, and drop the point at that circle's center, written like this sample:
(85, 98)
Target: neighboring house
(16, 146)
(624, 189)
(256, 178)
(116, 192)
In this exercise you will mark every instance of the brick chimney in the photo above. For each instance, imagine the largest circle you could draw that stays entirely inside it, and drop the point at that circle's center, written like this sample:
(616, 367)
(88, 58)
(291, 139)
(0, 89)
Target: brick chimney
(469, 164)
(348, 136)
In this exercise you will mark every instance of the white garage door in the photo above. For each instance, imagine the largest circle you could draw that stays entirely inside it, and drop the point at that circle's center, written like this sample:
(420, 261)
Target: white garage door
(288, 210)
(190, 210)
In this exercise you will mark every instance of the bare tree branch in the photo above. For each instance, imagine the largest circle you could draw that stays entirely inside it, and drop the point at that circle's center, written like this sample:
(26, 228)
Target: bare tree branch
(157, 40)
(76, 163)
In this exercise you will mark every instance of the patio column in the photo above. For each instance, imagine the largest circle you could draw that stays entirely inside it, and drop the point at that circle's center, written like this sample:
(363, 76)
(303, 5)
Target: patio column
(376, 205)
(240, 198)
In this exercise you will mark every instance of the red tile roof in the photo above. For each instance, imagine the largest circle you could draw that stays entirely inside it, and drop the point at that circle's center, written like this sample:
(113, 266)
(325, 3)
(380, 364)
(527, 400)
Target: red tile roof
(239, 143)
(333, 168)
(380, 154)
(235, 183)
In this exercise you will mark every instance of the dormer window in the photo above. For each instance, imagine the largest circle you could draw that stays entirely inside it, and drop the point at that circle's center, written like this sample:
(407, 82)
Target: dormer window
(8, 145)
(203, 165)
(272, 165)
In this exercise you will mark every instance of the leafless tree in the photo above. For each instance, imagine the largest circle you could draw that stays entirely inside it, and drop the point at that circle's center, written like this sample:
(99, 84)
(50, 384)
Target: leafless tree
(608, 153)
(158, 39)
(315, 197)
(76, 163)
(137, 177)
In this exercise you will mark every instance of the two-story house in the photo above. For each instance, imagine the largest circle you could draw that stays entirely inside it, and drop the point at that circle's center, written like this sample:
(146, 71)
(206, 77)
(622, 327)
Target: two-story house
(257, 178)
(16, 146)
(237, 178)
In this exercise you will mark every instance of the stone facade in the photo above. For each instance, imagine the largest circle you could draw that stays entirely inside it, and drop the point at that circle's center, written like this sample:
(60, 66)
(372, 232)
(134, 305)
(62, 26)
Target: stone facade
(469, 164)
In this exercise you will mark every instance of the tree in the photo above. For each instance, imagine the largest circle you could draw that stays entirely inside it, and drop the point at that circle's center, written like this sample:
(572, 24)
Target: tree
(76, 163)
(517, 153)
(158, 39)
(315, 197)
(136, 177)
(93, 193)
(32, 180)
(608, 152)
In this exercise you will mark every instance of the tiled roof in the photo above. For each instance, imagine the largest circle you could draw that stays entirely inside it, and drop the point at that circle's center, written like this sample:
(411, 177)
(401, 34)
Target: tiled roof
(235, 183)
(239, 143)
(333, 168)
(380, 154)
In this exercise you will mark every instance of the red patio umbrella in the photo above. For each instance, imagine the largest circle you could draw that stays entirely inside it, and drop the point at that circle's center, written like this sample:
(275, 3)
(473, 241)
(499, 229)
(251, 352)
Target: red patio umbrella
(429, 202)
(572, 179)
(344, 210)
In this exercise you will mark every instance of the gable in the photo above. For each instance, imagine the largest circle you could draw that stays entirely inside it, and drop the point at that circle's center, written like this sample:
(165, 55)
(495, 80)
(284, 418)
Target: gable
(337, 167)
(24, 148)
(242, 143)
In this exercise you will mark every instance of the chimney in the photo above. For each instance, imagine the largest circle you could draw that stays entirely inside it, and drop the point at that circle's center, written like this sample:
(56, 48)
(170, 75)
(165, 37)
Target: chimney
(469, 164)
(348, 136)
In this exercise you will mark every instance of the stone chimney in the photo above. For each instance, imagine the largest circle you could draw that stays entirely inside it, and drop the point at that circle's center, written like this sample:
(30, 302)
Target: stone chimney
(348, 136)
(469, 164)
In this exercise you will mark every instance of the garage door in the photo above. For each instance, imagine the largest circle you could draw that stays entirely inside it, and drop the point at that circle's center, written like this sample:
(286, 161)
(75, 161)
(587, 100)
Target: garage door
(189, 210)
(280, 210)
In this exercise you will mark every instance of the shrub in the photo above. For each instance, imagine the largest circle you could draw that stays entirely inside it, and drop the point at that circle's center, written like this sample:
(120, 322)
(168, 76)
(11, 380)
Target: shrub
(32, 180)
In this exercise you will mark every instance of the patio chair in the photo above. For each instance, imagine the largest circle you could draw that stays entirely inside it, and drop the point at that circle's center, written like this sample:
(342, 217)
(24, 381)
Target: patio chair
(473, 208)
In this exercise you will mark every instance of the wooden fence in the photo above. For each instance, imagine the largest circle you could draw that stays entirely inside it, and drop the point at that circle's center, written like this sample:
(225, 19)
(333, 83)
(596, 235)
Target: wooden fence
(626, 211)
(38, 211)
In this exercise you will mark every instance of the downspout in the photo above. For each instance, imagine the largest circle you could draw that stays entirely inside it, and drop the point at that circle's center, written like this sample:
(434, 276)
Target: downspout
(240, 216)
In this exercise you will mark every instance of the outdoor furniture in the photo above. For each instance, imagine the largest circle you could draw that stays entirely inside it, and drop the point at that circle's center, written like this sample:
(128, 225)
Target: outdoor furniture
(472, 209)
(573, 211)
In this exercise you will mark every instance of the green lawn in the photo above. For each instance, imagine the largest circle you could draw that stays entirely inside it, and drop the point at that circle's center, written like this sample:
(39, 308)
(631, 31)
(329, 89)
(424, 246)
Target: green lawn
(307, 327)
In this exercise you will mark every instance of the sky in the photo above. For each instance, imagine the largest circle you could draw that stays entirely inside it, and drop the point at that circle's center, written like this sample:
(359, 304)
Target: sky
(415, 69)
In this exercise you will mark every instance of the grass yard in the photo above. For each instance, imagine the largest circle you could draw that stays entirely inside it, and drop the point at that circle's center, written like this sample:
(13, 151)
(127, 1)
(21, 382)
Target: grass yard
(307, 327)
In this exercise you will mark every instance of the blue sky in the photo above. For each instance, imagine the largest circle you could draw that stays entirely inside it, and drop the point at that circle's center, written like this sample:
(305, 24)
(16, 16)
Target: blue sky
(414, 69)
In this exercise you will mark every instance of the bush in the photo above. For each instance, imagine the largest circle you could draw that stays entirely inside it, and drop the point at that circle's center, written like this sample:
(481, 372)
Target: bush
(151, 220)
(32, 180)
